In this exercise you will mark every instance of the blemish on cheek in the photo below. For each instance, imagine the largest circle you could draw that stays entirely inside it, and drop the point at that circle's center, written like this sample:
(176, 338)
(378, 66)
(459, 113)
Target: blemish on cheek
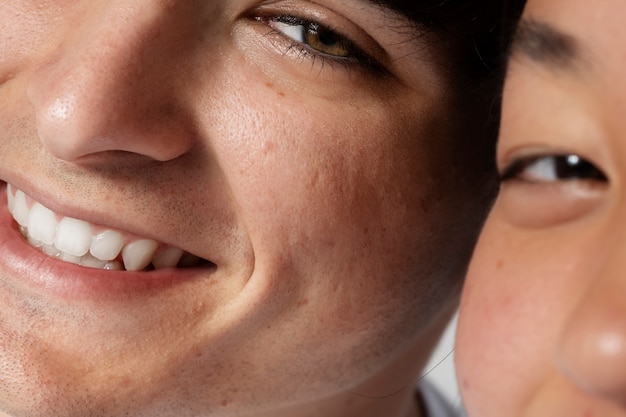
(268, 147)
(466, 384)
(499, 264)
(271, 86)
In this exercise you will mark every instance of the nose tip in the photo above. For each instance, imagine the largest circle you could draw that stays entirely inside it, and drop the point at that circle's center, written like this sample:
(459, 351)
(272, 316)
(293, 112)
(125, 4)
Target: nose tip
(62, 130)
(75, 122)
(592, 349)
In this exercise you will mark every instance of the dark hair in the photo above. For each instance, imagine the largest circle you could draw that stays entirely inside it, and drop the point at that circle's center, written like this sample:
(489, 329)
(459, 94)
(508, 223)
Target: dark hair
(480, 30)
(477, 34)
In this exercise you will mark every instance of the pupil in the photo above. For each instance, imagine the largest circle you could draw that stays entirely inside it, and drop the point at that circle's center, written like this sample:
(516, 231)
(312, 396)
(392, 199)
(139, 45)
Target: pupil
(327, 37)
(574, 167)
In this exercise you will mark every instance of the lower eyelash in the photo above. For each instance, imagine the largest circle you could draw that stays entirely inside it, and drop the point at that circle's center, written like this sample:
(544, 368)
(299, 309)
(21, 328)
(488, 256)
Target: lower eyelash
(358, 60)
(305, 52)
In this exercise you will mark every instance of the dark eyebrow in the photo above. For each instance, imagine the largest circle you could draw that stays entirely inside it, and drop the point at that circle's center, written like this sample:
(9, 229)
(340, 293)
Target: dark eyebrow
(546, 45)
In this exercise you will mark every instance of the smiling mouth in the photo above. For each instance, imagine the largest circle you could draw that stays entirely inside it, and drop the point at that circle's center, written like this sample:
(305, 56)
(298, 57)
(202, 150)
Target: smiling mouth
(79, 242)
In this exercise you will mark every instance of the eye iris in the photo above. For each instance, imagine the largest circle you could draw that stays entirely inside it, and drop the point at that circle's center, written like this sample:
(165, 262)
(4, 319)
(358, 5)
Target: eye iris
(326, 41)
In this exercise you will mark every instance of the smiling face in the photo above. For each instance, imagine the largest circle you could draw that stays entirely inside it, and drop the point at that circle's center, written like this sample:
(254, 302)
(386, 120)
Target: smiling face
(304, 194)
(543, 318)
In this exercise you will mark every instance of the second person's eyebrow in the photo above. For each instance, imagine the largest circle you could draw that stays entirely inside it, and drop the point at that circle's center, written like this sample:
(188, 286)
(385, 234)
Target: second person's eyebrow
(546, 45)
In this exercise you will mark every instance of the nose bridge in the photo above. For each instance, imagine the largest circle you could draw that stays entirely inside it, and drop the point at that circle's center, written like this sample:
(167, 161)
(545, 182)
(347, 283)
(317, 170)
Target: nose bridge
(592, 348)
(106, 86)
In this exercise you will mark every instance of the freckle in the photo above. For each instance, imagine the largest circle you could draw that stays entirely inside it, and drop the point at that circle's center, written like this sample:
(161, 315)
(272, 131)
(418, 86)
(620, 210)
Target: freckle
(268, 147)
(269, 85)
(466, 384)
(281, 94)
(303, 302)
(500, 264)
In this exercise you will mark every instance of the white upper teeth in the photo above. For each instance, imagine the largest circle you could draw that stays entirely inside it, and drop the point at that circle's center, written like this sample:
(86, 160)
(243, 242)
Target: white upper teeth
(42, 224)
(20, 209)
(138, 254)
(72, 240)
(167, 257)
(73, 236)
(107, 245)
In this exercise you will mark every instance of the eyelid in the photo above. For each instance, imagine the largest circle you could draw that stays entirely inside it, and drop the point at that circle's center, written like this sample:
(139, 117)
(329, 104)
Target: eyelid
(357, 55)
(364, 45)
(545, 197)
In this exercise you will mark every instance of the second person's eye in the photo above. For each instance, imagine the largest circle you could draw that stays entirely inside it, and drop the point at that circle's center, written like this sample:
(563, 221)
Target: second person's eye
(552, 168)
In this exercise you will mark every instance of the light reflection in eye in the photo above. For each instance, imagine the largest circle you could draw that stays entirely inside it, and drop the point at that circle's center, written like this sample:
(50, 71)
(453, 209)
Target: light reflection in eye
(573, 160)
(551, 168)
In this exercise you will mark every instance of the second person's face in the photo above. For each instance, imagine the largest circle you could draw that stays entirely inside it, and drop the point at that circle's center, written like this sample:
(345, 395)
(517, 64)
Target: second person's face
(543, 319)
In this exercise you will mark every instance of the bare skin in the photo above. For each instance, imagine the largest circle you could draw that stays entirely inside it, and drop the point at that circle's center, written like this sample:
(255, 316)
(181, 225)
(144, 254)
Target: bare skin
(542, 322)
(313, 193)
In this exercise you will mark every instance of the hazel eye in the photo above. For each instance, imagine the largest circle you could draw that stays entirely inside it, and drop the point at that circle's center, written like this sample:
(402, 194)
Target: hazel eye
(314, 36)
(552, 168)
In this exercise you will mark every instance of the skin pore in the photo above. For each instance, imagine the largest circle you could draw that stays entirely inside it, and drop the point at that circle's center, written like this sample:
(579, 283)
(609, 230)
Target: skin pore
(316, 160)
(541, 330)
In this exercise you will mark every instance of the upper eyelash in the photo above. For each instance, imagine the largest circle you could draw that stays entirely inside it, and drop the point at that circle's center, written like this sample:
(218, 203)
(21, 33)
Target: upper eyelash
(358, 59)
(512, 170)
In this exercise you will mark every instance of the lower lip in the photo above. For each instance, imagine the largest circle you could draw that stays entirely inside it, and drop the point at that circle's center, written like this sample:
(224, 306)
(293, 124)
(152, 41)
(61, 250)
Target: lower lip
(29, 267)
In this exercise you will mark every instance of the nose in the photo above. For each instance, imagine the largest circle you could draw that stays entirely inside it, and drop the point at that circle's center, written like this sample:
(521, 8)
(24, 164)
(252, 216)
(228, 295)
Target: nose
(592, 348)
(111, 84)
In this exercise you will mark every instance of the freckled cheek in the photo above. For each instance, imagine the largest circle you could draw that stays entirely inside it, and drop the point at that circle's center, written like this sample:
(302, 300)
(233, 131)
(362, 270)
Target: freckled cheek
(319, 183)
(521, 288)
(306, 196)
(491, 341)
(295, 166)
